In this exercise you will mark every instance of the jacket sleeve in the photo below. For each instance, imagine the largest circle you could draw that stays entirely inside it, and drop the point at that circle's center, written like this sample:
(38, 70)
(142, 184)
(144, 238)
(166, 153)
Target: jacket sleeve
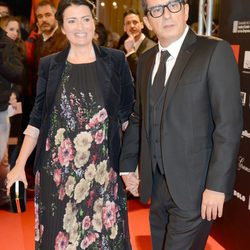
(127, 91)
(225, 101)
(131, 140)
(38, 108)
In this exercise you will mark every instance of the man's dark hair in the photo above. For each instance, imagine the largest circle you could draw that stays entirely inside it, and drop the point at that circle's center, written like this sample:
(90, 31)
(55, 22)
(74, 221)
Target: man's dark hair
(4, 4)
(132, 11)
(45, 3)
(145, 5)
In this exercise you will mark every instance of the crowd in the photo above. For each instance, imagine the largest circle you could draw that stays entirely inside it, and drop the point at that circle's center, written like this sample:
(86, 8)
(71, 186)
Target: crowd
(97, 106)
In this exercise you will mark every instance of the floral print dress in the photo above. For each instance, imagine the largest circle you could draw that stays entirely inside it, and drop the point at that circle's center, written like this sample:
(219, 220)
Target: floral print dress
(80, 201)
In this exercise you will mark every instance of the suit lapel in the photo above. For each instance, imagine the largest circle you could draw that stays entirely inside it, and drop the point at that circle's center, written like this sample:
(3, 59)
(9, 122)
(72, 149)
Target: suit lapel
(104, 76)
(180, 64)
(146, 84)
(54, 75)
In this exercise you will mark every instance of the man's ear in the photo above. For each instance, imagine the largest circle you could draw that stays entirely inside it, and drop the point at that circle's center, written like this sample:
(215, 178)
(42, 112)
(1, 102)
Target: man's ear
(145, 20)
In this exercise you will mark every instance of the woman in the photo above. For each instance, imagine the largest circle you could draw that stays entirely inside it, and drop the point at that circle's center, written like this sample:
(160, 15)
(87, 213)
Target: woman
(11, 26)
(84, 95)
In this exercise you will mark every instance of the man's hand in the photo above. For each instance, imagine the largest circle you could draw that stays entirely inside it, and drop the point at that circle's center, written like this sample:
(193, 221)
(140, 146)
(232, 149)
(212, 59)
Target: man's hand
(212, 204)
(129, 44)
(132, 183)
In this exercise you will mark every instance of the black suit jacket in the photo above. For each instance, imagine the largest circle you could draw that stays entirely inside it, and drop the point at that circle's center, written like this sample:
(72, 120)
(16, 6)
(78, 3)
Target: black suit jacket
(117, 87)
(201, 122)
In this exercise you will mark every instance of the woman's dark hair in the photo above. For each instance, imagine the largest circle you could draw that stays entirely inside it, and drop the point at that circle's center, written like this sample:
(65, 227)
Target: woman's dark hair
(63, 4)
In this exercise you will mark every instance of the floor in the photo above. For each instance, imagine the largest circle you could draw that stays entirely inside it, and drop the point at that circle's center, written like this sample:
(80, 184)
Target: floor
(16, 230)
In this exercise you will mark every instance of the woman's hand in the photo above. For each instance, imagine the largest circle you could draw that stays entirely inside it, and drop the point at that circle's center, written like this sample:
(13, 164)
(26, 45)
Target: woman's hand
(16, 174)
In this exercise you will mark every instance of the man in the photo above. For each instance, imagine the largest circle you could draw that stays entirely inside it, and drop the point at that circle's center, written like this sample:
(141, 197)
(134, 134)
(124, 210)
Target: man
(136, 43)
(4, 9)
(187, 124)
(51, 39)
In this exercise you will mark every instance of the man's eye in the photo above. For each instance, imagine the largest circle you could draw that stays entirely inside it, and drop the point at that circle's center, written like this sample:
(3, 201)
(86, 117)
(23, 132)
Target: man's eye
(157, 9)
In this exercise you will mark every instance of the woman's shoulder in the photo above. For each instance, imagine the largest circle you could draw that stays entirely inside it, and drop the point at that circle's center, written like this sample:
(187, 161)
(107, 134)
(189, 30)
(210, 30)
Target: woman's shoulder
(112, 52)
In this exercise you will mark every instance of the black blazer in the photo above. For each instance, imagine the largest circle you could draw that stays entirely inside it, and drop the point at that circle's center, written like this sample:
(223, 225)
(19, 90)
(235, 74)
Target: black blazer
(117, 88)
(201, 122)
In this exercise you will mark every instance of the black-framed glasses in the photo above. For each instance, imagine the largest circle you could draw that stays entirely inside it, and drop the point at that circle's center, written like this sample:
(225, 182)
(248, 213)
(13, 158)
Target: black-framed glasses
(158, 11)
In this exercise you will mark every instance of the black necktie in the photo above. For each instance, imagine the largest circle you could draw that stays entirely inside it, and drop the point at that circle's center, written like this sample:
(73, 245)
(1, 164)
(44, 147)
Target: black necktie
(159, 80)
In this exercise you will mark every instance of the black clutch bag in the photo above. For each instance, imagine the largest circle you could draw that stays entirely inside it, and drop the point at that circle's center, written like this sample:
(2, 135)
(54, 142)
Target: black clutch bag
(18, 197)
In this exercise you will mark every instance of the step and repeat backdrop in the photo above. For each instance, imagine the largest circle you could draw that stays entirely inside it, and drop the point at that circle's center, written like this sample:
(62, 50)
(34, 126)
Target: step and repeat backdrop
(233, 230)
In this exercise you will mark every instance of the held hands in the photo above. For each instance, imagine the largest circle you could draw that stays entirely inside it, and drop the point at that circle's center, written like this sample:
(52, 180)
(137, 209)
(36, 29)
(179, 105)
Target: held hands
(212, 204)
(16, 174)
(132, 183)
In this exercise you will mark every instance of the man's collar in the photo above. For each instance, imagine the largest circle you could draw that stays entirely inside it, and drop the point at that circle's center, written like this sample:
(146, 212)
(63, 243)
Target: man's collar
(51, 34)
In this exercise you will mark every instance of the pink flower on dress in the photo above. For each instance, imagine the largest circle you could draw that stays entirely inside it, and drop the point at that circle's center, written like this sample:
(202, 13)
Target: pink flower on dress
(57, 176)
(61, 241)
(112, 175)
(92, 122)
(86, 223)
(115, 190)
(99, 136)
(109, 214)
(61, 193)
(102, 115)
(47, 148)
(88, 240)
(65, 152)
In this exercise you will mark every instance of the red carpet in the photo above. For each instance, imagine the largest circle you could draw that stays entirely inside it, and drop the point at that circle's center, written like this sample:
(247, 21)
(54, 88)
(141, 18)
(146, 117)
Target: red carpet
(17, 230)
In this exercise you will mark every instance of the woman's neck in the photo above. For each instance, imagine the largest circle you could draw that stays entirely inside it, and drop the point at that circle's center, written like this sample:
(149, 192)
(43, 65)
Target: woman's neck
(79, 55)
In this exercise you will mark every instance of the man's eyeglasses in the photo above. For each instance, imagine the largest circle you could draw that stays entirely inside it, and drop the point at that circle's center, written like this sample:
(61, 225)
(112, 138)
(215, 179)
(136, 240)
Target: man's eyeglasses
(158, 11)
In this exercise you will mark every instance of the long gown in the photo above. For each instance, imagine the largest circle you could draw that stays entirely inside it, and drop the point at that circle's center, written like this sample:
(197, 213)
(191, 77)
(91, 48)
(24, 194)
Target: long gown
(80, 202)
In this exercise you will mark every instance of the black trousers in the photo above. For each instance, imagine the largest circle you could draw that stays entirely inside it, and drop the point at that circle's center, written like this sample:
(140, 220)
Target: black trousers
(171, 227)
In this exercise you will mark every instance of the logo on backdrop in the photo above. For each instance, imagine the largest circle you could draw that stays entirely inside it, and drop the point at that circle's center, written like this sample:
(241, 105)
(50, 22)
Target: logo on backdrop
(243, 96)
(240, 196)
(246, 134)
(246, 64)
(241, 165)
(241, 27)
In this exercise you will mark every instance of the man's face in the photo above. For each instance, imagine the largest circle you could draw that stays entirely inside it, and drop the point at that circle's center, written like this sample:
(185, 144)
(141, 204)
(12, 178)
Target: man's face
(170, 26)
(46, 19)
(133, 26)
(4, 11)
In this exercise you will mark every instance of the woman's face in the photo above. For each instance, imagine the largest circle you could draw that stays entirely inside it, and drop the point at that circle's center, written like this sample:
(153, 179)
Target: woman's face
(78, 25)
(12, 30)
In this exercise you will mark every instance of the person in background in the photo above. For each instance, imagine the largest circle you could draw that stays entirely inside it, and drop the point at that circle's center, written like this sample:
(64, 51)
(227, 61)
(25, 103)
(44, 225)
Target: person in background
(101, 34)
(113, 39)
(11, 72)
(4, 9)
(137, 42)
(84, 95)
(185, 128)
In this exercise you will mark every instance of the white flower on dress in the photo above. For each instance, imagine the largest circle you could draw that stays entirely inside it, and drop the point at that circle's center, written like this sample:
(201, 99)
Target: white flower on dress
(59, 137)
(71, 247)
(90, 172)
(101, 172)
(114, 231)
(69, 217)
(98, 205)
(97, 222)
(73, 233)
(83, 141)
(81, 158)
(69, 185)
(81, 190)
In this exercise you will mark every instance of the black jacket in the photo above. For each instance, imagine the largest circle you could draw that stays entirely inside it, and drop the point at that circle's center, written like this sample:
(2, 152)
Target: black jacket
(114, 75)
(11, 68)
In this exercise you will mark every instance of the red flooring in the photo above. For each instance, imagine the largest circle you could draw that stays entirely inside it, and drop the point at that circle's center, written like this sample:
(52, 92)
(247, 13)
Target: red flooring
(17, 230)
